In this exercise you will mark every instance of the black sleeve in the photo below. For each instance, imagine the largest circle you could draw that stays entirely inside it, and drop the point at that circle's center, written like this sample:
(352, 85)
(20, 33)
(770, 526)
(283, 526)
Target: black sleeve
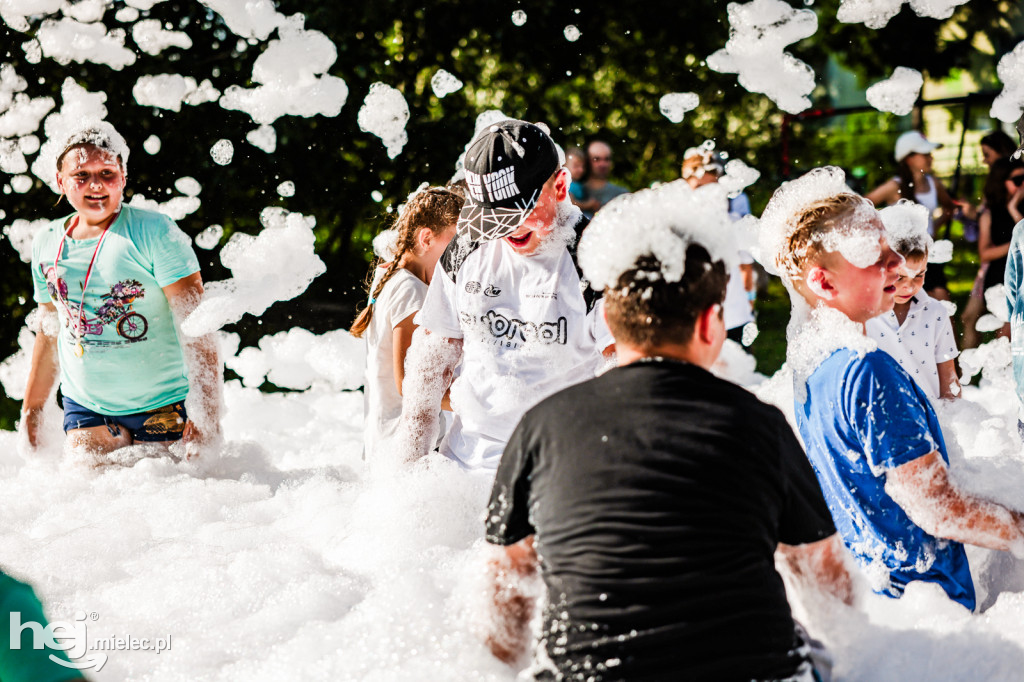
(507, 521)
(805, 516)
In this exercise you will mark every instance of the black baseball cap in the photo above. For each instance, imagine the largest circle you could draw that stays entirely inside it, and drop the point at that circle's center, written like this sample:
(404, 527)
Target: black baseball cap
(506, 168)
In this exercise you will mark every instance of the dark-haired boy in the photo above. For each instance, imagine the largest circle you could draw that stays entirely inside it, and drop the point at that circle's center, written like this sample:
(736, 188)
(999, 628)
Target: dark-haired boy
(656, 496)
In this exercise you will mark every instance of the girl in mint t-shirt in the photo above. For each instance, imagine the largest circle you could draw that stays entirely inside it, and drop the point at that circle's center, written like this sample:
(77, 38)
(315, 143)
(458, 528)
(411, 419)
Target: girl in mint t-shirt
(117, 278)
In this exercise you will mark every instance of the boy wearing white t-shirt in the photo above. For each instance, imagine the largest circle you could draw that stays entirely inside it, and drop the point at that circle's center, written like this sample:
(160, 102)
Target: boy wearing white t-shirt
(917, 332)
(506, 301)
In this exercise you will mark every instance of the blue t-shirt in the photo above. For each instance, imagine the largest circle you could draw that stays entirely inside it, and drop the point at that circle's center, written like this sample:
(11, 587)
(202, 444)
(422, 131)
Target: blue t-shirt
(863, 416)
(132, 360)
(1014, 282)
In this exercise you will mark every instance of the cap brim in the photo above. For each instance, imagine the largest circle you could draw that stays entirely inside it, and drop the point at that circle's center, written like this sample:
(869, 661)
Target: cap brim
(481, 224)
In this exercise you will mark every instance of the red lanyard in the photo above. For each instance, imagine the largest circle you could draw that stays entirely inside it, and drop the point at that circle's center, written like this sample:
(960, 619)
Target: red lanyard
(79, 348)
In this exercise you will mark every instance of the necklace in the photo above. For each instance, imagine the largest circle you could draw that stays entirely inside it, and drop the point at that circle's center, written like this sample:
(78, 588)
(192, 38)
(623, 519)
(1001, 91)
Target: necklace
(80, 322)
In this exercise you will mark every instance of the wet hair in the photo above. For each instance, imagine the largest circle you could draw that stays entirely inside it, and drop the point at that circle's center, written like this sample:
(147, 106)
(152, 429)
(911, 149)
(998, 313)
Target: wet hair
(814, 221)
(645, 311)
(435, 209)
(909, 248)
(999, 142)
(995, 183)
(99, 135)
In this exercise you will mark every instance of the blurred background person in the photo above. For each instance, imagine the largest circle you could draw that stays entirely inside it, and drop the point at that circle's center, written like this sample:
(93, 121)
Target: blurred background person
(914, 181)
(995, 146)
(597, 185)
(701, 167)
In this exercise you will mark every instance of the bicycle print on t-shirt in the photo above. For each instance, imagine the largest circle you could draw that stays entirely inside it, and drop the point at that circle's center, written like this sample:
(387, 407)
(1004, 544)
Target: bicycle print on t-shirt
(116, 311)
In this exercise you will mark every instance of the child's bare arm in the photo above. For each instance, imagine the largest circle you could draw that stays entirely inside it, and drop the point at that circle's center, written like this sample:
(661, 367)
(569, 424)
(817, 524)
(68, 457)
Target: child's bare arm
(822, 562)
(204, 368)
(932, 501)
(949, 382)
(512, 606)
(430, 368)
(886, 193)
(42, 376)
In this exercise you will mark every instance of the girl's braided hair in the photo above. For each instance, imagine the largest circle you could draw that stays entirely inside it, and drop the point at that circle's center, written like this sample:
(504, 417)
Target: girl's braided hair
(435, 209)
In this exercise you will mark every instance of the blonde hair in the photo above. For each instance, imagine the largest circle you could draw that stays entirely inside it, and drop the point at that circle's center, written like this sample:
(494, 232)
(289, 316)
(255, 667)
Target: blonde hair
(435, 209)
(803, 245)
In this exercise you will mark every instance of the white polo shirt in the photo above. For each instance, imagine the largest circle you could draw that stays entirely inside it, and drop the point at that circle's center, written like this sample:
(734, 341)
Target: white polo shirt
(924, 340)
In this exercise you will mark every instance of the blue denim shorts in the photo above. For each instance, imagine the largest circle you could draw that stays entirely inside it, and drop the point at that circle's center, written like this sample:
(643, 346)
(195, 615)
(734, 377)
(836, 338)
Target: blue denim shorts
(163, 423)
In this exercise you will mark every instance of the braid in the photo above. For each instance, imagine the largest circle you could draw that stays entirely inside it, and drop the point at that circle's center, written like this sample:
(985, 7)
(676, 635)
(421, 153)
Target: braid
(434, 208)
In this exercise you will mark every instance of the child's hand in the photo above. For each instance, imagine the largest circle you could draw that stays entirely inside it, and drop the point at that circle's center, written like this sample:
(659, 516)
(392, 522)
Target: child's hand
(31, 425)
(196, 441)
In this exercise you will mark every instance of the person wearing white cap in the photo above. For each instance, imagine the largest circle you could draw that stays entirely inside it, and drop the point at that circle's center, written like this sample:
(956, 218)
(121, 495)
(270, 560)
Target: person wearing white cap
(913, 153)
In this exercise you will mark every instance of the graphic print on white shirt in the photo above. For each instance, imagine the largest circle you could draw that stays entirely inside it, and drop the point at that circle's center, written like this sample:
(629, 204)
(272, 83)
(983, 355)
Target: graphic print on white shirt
(526, 334)
(924, 340)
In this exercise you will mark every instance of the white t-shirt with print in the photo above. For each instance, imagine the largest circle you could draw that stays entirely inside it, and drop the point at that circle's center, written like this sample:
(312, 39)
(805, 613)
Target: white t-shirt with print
(526, 335)
(401, 297)
(924, 340)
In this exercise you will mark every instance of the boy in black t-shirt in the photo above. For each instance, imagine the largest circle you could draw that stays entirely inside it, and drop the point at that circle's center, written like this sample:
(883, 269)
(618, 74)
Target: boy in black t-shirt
(656, 495)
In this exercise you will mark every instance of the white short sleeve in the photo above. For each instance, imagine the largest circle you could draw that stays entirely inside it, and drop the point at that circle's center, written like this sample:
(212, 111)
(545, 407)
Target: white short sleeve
(405, 299)
(440, 311)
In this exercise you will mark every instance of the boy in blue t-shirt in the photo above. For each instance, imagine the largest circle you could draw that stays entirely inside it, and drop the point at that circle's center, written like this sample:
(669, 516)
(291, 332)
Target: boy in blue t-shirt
(870, 431)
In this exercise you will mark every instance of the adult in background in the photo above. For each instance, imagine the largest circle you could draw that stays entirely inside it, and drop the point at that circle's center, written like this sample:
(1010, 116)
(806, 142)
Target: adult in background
(914, 181)
(505, 302)
(655, 496)
(599, 189)
(704, 167)
(995, 145)
(1004, 192)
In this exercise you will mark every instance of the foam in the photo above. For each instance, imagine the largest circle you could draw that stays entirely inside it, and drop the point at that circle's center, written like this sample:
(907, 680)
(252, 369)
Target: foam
(758, 33)
(385, 113)
(877, 13)
(898, 93)
(675, 104)
(170, 90)
(152, 38)
(1009, 103)
(444, 83)
(660, 222)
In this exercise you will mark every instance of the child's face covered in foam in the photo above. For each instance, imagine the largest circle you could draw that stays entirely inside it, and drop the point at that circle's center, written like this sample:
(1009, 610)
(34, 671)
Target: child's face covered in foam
(860, 293)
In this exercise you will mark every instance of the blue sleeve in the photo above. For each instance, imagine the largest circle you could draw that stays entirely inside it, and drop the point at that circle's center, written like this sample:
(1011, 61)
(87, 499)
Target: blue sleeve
(890, 416)
(1014, 271)
(170, 250)
(21, 661)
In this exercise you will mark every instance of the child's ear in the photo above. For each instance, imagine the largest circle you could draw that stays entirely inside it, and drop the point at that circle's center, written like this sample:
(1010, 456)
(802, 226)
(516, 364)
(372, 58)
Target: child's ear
(820, 282)
(424, 238)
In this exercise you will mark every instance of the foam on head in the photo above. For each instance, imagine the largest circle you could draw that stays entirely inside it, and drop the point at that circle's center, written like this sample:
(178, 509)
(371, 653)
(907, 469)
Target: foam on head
(659, 223)
(906, 227)
(814, 214)
(100, 135)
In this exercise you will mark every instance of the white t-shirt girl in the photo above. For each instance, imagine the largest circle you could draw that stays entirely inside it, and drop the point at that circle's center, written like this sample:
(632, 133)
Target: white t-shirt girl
(401, 297)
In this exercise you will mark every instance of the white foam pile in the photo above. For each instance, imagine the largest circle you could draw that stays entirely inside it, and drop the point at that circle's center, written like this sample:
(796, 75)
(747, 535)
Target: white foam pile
(519, 17)
(66, 40)
(675, 104)
(222, 152)
(572, 33)
(152, 38)
(877, 13)
(275, 265)
(897, 93)
(662, 223)
(298, 359)
(444, 83)
(209, 237)
(385, 113)
(759, 31)
(1009, 103)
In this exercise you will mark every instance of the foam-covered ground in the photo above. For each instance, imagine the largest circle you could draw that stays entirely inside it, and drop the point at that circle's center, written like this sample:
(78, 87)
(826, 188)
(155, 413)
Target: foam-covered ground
(285, 557)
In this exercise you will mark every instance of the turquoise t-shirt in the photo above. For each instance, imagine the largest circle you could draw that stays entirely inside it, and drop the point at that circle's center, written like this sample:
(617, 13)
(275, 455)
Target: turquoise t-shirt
(25, 663)
(132, 360)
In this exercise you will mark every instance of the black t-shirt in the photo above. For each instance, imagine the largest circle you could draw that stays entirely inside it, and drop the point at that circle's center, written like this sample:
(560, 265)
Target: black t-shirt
(1000, 232)
(658, 494)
